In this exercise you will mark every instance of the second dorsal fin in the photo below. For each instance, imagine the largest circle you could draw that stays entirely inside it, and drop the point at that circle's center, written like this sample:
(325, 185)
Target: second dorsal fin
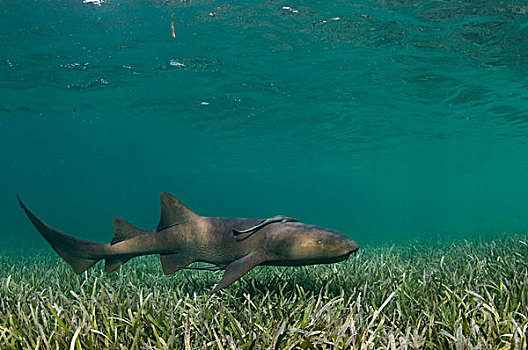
(173, 212)
(123, 231)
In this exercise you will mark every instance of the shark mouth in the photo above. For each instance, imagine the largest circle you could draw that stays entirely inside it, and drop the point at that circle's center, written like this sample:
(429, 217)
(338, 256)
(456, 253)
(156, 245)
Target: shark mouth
(343, 257)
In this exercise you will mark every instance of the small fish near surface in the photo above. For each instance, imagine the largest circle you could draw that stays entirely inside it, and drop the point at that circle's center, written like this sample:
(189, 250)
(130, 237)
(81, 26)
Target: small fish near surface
(183, 237)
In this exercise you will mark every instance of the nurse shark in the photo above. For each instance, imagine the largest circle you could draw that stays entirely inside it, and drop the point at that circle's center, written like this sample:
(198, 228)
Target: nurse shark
(183, 237)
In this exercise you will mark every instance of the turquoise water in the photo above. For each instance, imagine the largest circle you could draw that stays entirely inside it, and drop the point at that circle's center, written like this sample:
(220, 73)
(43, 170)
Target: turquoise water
(386, 121)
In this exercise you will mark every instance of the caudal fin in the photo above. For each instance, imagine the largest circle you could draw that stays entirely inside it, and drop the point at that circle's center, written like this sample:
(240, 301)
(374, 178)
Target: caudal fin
(78, 253)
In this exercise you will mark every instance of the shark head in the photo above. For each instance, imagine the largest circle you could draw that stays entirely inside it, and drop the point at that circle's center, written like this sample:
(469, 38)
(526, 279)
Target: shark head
(300, 244)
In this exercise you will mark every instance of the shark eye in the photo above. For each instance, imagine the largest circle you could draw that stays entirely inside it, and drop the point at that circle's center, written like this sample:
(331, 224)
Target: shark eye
(319, 242)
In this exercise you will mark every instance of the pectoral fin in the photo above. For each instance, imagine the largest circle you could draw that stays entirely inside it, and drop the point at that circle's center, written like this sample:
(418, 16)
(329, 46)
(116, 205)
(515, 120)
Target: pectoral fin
(238, 268)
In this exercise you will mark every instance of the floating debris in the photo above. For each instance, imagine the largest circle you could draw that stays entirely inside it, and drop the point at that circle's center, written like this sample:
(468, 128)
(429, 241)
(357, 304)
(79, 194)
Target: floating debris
(289, 8)
(75, 66)
(176, 63)
(94, 2)
(172, 25)
(98, 83)
(333, 19)
(204, 103)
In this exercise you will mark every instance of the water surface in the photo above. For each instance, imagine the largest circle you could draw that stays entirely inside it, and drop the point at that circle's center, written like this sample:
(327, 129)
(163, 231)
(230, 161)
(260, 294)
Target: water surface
(385, 120)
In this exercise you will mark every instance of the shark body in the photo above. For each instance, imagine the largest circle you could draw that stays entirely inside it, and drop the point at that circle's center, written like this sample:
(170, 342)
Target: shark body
(183, 237)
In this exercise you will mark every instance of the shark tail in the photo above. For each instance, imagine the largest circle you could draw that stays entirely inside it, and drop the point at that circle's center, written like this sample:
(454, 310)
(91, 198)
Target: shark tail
(80, 254)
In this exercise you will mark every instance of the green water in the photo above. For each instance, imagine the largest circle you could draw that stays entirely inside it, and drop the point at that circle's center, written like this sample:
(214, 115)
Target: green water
(386, 121)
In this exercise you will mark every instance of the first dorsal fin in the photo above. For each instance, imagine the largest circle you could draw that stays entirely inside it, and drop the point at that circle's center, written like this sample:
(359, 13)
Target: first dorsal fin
(123, 231)
(173, 212)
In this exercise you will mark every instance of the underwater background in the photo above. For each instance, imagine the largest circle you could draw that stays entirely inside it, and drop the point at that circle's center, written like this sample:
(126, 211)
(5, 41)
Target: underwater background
(384, 120)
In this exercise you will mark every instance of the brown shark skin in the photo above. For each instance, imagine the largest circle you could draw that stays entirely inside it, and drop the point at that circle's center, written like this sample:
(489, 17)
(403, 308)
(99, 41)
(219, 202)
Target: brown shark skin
(206, 239)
